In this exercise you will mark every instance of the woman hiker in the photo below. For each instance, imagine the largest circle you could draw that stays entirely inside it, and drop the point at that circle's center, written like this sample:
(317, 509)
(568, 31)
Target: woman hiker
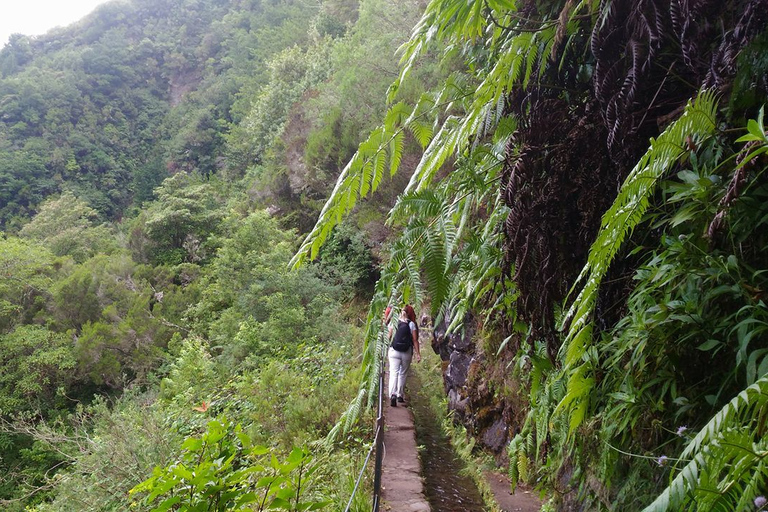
(404, 343)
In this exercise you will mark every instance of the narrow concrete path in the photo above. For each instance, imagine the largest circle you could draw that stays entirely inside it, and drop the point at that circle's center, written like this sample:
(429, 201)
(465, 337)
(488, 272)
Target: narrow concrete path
(401, 482)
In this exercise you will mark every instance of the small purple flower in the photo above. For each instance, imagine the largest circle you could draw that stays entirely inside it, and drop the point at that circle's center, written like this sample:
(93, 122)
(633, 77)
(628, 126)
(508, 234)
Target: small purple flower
(661, 461)
(681, 430)
(760, 502)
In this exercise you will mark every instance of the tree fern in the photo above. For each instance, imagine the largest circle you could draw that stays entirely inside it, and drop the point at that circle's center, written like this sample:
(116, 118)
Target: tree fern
(449, 229)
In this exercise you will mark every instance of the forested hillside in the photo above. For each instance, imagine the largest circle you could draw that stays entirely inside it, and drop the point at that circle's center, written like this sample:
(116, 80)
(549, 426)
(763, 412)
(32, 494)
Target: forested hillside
(573, 191)
(156, 160)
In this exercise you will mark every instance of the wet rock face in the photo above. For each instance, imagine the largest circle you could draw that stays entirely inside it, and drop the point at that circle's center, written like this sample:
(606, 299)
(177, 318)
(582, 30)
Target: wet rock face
(495, 437)
(469, 395)
(456, 375)
(439, 341)
(456, 351)
(457, 404)
(443, 344)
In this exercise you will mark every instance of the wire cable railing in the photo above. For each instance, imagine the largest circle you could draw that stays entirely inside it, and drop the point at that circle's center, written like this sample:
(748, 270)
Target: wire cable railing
(377, 446)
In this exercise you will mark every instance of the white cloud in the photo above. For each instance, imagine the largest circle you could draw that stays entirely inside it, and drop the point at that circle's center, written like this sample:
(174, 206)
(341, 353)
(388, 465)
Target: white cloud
(36, 17)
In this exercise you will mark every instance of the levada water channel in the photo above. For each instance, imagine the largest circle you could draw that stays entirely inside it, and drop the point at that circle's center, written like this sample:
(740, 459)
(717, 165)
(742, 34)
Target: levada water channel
(447, 487)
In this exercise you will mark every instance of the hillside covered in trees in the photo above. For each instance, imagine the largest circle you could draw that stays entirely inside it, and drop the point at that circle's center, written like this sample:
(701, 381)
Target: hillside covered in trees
(156, 160)
(575, 190)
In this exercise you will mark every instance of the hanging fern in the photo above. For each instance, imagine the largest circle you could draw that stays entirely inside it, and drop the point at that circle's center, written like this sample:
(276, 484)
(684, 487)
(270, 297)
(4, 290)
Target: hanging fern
(450, 229)
(442, 233)
(471, 109)
(696, 123)
(365, 170)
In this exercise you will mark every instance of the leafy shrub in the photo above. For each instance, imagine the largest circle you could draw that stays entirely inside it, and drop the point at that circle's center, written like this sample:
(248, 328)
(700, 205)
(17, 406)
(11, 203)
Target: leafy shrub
(346, 261)
(66, 226)
(34, 364)
(223, 470)
(109, 447)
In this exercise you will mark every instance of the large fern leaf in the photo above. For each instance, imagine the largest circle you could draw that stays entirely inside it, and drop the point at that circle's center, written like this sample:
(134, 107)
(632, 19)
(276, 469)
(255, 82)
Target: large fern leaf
(727, 462)
(696, 123)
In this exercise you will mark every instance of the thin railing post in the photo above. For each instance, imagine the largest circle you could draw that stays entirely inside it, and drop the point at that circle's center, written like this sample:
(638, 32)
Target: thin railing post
(379, 439)
(378, 445)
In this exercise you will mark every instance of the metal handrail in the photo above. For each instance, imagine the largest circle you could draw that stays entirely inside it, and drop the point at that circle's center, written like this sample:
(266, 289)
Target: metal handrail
(377, 446)
(362, 472)
(379, 441)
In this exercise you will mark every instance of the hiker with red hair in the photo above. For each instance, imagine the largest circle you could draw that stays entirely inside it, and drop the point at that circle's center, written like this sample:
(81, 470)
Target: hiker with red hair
(405, 343)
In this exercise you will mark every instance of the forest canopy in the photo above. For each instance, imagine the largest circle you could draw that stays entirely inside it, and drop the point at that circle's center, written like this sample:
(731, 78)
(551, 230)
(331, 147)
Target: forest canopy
(574, 191)
(153, 174)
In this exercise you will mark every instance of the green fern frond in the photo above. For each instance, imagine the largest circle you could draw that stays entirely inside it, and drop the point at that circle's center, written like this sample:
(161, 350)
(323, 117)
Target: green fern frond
(727, 463)
(523, 465)
(396, 146)
(697, 122)
(436, 268)
(365, 179)
(674, 494)
(426, 105)
(375, 343)
(424, 204)
(447, 230)
(423, 132)
(754, 487)
(355, 409)
(379, 163)
(514, 450)
(750, 399)
(364, 172)
(396, 116)
(412, 288)
(440, 148)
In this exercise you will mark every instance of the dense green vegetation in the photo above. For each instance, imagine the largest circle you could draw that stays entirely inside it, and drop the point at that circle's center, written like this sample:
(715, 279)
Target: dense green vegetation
(622, 335)
(578, 185)
(155, 161)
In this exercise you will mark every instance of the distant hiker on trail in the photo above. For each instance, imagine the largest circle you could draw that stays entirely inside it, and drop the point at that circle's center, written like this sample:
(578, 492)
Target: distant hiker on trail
(404, 343)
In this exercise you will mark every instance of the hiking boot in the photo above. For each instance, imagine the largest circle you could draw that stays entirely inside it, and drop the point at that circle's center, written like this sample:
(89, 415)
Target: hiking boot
(393, 401)
(400, 399)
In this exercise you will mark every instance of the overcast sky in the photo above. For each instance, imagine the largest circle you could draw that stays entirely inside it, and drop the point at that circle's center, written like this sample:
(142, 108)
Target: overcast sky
(35, 17)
